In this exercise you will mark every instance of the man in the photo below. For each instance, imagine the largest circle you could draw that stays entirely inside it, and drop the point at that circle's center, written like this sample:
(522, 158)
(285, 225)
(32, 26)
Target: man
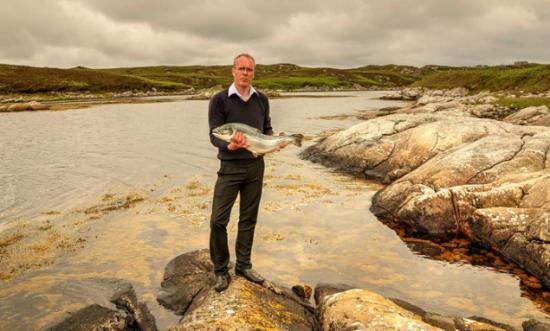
(240, 171)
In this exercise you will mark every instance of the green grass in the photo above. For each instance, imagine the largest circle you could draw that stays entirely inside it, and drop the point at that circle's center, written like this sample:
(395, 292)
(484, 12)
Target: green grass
(520, 103)
(292, 83)
(531, 78)
(283, 76)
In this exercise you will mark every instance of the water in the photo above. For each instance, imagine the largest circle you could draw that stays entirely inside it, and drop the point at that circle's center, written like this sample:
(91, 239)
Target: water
(60, 169)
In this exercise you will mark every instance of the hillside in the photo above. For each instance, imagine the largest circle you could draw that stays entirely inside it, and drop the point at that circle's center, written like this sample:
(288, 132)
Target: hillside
(32, 80)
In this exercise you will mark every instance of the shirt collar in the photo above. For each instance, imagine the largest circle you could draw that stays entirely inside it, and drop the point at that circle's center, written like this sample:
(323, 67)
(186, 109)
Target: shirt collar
(233, 90)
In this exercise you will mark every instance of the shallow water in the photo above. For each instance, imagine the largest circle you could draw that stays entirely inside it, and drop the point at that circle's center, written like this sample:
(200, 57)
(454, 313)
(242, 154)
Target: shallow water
(64, 171)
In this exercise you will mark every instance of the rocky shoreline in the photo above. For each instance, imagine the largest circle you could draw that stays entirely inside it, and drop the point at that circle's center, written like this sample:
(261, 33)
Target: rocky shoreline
(66, 101)
(453, 168)
(187, 289)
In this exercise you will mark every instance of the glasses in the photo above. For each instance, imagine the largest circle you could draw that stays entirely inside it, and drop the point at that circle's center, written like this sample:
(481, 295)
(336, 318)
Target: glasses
(245, 69)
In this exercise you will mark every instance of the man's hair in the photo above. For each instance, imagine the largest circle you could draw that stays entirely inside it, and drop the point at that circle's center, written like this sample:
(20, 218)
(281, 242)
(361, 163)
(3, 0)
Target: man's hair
(243, 55)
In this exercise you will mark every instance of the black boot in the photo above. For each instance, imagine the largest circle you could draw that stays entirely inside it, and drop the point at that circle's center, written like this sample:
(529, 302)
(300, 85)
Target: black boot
(222, 282)
(251, 275)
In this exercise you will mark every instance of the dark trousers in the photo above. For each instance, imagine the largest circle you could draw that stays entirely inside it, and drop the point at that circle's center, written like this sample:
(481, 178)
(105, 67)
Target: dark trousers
(234, 177)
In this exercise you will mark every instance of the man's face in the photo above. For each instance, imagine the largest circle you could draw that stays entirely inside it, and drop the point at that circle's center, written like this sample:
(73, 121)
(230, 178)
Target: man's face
(243, 72)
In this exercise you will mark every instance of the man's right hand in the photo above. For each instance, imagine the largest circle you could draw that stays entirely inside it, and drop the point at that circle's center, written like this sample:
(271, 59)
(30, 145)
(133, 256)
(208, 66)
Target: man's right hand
(238, 141)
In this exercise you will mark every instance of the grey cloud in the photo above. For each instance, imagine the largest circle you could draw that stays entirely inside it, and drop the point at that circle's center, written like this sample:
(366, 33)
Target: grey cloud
(101, 33)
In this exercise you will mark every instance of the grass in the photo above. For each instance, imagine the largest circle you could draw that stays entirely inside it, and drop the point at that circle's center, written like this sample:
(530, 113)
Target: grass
(520, 103)
(283, 76)
(533, 78)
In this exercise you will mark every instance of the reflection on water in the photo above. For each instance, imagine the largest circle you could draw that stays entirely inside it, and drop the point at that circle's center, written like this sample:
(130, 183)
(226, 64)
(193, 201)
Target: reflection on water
(134, 191)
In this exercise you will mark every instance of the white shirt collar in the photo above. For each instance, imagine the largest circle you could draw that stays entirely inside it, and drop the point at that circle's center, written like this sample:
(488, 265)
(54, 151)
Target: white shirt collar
(233, 90)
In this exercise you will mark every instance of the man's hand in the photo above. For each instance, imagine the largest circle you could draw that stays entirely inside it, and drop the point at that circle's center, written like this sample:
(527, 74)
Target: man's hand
(238, 141)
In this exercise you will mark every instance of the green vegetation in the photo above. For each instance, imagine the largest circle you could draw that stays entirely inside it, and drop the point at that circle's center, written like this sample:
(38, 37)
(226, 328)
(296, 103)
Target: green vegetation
(283, 76)
(527, 78)
(520, 103)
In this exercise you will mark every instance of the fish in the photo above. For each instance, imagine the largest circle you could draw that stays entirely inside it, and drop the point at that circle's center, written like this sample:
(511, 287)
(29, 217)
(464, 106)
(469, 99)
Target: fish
(258, 142)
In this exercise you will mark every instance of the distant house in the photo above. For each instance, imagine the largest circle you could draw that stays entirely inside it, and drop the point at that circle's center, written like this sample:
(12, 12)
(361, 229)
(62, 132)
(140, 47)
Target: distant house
(521, 63)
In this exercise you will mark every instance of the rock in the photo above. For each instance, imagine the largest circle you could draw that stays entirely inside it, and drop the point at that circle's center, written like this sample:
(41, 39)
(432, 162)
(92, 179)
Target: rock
(484, 110)
(93, 317)
(324, 290)
(130, 315)
(405, 94)
(534, 325)
(187, 289)
(125, 298)
(35, 105)
(481, 324)
(3, 108)
(530, 116)
(360, 309)
(19, 107)
(454, 174)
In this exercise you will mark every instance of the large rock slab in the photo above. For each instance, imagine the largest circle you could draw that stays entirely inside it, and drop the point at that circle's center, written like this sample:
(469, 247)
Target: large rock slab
(341, 308)
(452, 174)
(530, 116)
(187, 289)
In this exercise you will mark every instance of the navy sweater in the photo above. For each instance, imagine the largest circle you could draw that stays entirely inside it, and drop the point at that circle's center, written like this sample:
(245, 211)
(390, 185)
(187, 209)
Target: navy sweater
(232, 109)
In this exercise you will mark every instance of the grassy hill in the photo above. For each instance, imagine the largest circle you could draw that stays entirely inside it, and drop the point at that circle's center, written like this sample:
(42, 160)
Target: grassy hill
(527, 78)
(30, 80)
(25, 79)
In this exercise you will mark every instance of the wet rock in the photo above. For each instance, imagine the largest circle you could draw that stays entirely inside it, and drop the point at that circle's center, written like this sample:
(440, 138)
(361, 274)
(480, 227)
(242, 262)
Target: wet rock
(454, 174)
(94, 317)
(187, 289)
(129, 315)
(140, 317)
(534, 325)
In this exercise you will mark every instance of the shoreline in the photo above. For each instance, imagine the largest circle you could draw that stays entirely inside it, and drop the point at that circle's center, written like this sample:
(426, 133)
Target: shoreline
(71, 101)
(410, 150)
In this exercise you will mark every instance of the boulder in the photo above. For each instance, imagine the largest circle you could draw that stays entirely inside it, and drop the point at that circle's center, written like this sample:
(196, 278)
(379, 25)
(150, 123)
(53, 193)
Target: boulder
(93, 317)
(187, 289)
(342, 308)
(125, 313)
(530, 116)
(360, 309)
(453, 174)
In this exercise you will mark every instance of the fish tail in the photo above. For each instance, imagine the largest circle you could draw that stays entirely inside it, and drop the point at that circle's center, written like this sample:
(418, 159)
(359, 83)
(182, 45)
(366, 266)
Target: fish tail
(297, 139)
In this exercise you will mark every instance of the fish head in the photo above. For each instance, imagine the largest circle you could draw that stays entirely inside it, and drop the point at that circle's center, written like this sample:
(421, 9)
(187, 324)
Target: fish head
(224, 132)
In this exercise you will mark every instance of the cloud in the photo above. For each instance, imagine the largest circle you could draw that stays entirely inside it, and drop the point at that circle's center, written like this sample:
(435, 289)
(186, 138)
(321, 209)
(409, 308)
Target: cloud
(101, 33)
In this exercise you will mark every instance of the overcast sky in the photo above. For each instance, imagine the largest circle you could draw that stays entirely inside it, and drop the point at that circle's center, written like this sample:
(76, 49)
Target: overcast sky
(344, 34)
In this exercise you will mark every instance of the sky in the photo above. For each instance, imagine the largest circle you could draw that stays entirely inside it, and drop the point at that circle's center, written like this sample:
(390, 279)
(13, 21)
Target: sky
(313, 33)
